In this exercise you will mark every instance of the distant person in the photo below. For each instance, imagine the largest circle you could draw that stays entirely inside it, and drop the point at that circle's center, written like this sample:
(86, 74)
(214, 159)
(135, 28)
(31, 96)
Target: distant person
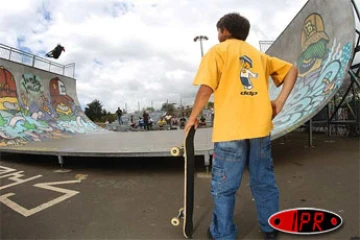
(168, 118)
(182, 122)
(119, 113)
(146, 117)
(56, 52)
(161, 123)
(175, 121)
(132, 122)
(212, 116)
(202, 121)
(141, 122)
(244, 114)
(151, 121)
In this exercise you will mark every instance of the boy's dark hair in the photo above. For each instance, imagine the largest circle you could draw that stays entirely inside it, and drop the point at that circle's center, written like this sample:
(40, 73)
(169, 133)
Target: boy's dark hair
(236, 24)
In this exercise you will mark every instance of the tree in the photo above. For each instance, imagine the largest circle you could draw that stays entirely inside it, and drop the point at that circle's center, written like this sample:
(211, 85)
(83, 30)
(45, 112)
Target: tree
(94, 110)
(188, 111)
(210, 105)
(168, 107)
(150, 109)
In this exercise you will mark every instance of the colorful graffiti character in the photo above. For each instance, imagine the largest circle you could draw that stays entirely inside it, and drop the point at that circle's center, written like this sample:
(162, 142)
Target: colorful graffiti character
(32, 91)
(321, 71)
(8, 94)
(61, 102)
(313, 44)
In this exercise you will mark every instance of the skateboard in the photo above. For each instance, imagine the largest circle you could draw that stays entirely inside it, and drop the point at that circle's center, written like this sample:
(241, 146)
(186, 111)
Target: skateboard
(186, 212)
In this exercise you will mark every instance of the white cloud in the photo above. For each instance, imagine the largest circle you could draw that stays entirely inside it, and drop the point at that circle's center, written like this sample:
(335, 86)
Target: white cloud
(139, 51)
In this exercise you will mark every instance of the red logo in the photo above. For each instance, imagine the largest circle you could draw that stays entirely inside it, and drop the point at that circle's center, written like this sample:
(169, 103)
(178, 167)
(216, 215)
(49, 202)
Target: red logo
(305, 221)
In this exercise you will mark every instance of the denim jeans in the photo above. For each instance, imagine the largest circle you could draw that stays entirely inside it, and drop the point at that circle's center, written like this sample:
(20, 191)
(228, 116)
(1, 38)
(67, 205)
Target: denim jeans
(229, 161)
(120, 120)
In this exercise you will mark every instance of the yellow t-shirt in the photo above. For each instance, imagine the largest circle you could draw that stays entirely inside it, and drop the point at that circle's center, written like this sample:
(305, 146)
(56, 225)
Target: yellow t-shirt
(238, 73)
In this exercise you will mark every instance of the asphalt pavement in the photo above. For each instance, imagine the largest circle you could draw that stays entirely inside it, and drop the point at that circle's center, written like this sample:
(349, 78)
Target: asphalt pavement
(135, 198)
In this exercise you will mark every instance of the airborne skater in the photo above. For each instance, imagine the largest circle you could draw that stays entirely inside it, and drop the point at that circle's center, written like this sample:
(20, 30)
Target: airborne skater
(56, 52)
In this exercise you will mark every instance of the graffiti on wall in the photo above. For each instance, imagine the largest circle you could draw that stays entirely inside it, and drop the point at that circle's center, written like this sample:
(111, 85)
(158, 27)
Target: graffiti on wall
(321, 66)
(28, 113)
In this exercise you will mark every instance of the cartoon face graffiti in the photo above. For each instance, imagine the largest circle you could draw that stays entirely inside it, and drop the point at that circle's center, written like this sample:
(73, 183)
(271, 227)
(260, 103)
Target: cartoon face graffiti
(313, 44)
(8, 94)
(61, 102)
(31, 83)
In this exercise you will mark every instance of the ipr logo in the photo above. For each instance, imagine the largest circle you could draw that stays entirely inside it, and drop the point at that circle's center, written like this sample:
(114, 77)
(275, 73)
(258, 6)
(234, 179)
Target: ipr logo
(306, 221)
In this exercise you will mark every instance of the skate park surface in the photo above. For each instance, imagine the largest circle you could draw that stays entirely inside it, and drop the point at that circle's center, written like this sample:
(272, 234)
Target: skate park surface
(40, 112)
(136, 198)
(102, 194)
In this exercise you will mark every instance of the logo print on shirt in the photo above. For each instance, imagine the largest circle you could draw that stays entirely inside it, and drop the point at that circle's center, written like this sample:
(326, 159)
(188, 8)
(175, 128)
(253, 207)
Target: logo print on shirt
(245, 75)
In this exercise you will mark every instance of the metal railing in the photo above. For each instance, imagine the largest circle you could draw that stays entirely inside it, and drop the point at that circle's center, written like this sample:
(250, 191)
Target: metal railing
(29, 59)
(265, 45)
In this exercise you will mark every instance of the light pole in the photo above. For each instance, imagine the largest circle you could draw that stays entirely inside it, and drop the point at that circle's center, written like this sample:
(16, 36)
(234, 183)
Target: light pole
(201, 38)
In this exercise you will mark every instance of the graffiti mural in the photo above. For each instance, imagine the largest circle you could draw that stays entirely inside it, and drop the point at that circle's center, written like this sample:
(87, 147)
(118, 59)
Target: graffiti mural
(33, 100)
(28, 113)
(10, 115)
(60, 100)
(321, 68)
(8, 94)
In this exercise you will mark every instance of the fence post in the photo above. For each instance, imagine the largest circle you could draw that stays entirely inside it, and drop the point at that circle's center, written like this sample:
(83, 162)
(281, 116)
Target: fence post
(33, 61)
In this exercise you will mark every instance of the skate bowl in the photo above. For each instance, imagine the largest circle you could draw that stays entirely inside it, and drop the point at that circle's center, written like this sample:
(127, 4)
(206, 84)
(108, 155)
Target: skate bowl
(40, 111)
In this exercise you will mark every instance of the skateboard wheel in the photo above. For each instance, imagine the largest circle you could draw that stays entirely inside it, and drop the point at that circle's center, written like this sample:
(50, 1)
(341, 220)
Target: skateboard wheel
(175, 221)
(175, 151)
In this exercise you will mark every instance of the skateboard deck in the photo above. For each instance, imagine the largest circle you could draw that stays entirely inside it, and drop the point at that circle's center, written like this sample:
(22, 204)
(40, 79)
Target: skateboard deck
(186, 212)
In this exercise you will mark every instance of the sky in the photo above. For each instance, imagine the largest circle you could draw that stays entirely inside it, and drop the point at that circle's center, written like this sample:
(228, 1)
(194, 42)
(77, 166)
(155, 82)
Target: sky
(137, 53)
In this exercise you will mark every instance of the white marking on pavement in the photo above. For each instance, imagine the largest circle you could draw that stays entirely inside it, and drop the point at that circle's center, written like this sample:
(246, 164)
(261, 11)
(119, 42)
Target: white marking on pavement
(4, 170)
(16, 178)
(63, 170)
(28, 212)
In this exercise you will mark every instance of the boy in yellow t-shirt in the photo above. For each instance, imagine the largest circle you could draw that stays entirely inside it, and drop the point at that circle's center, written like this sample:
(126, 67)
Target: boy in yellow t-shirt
(238, 74)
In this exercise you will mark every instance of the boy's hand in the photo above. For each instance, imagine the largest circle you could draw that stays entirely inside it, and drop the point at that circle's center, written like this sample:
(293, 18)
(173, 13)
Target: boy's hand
(277, 106)
(189, 124)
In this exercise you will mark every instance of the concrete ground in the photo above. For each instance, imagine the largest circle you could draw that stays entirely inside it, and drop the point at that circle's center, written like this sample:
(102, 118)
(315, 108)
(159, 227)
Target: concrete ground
(109, 198)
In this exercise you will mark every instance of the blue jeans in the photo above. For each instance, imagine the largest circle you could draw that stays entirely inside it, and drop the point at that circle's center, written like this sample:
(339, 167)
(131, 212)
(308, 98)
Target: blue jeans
(229, 161)
(120, 120)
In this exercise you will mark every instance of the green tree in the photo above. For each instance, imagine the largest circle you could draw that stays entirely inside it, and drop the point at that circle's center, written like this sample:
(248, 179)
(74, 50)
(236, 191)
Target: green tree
(187, 111)
(169, 107)
(150, 109)
(94, 110)
(210, 105)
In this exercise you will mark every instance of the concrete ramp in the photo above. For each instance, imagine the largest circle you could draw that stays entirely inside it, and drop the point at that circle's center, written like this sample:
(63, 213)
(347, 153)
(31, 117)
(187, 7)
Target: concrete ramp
(320, 42)
(36, 105)
(40, 113)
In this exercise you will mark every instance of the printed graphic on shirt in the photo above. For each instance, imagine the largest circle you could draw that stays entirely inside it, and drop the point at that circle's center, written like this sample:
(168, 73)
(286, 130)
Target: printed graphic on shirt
(246, 74)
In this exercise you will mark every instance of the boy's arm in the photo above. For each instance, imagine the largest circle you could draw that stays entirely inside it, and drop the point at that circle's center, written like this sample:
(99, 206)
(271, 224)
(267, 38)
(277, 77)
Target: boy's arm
(288, 84)
(207, 77)
(202, 97)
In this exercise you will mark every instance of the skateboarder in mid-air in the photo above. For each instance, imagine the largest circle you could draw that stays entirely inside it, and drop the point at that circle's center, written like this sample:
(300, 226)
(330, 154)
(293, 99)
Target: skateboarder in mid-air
(56, 52)
(242, 123)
